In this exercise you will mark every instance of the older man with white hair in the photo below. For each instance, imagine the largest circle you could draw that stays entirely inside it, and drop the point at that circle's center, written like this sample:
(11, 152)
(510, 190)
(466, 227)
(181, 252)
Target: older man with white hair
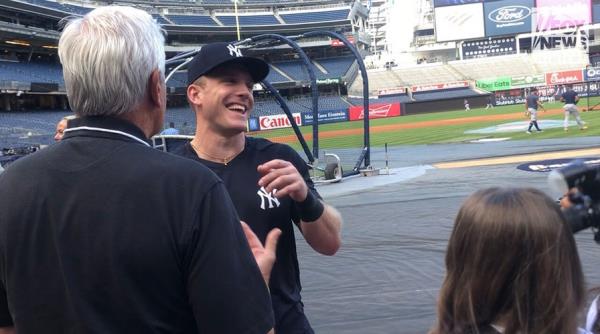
(100, 233)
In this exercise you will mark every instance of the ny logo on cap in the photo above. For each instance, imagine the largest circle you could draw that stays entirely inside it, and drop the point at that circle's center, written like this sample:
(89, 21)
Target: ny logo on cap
(234, 51)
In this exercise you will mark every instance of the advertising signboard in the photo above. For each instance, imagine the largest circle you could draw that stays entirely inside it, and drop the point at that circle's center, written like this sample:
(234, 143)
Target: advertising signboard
(564, 77)
(376, 110)
(508, 17)
(528, 80)
(462, 22)
(556, 14)
(278, 121)
(326, 116)
(494, 84)
(489, 47)
(591, 74)
(440, 86)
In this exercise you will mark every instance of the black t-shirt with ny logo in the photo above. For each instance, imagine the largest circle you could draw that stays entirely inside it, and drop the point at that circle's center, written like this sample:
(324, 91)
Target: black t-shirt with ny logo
(263, 211)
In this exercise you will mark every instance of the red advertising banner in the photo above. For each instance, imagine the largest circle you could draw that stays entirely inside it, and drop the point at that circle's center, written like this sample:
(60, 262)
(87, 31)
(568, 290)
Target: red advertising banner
(440, 86)
(376, 110)
(337, 42)
(564, 77)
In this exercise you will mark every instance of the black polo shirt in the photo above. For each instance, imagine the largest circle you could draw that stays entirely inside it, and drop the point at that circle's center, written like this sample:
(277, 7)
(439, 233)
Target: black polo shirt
(100, 233)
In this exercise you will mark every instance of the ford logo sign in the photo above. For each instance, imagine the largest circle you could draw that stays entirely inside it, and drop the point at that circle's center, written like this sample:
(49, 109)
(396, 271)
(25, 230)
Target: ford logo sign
(509, 14)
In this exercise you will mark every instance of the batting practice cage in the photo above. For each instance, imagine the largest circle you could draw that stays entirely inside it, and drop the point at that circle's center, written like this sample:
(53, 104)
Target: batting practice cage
(333, 141)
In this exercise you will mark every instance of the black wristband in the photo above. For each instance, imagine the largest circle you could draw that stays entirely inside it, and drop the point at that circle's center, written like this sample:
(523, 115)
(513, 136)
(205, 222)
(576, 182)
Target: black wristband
(311, 208)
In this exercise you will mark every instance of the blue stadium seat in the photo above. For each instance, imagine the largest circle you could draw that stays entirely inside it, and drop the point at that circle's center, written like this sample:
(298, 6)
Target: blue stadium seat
(249, 20)
(192, 20)
(320, 16)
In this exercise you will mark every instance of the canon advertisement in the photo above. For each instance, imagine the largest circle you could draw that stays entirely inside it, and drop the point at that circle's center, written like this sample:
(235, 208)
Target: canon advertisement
(508, 17)
(272, 122)
(556, 14)
(462, 22)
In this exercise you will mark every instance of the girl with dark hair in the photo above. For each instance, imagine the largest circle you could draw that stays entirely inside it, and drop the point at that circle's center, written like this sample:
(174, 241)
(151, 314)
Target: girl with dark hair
(512, 267)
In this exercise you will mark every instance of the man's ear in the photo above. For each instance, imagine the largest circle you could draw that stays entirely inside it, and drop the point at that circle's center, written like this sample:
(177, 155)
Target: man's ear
(195, 94)
(156, 85)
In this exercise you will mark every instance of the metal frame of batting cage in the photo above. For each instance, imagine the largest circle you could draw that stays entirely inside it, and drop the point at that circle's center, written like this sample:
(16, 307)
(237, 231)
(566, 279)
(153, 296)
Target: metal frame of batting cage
(333, 170)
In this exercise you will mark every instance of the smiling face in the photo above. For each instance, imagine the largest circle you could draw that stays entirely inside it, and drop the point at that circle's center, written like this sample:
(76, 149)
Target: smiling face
(223, 99)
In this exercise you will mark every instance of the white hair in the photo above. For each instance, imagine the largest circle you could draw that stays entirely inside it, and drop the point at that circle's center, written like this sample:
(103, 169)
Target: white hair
(107, 57)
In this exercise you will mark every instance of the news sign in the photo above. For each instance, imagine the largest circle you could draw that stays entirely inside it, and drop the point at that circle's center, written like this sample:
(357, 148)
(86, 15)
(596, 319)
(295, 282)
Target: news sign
(508, 17)
(564, 77)
(278, 121)
(376, 110)
(462, 22)
(557, 14)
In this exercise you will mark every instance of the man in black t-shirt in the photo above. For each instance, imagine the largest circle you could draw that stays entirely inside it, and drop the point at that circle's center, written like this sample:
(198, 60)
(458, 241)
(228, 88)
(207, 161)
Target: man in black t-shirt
(101, 233)
(268, 182)
(570, 98)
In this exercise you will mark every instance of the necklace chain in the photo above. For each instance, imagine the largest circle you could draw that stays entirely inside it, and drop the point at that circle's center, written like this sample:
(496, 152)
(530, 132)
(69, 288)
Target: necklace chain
(224, 161)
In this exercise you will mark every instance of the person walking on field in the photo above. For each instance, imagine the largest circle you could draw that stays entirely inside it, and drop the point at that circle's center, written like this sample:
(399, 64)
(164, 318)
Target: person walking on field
(531, 109)
(570, 98)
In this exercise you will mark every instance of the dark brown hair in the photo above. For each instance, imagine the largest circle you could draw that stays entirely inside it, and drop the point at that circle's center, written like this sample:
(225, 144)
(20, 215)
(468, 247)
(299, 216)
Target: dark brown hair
(511, 261)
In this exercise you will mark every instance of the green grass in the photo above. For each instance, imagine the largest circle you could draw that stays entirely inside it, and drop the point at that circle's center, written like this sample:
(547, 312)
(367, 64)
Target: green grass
(446, 134)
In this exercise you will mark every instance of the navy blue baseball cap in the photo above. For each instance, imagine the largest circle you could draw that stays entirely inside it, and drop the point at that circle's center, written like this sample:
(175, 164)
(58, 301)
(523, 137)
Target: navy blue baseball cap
(214, 55)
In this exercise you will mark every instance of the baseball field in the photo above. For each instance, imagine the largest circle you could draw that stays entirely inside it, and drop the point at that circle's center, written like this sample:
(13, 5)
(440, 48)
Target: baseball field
(442, 127)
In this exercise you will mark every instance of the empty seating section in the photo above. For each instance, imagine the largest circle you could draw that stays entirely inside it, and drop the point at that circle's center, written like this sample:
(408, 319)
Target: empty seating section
(336, 67)
(491, 67)
(265, 107)
(192, 20)
(471, 69)
(62, 7)
(160, 19)
(318, 16)
(295, 69)
(275, 76)
(379, 79)
(31, 72)
(249, 20)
